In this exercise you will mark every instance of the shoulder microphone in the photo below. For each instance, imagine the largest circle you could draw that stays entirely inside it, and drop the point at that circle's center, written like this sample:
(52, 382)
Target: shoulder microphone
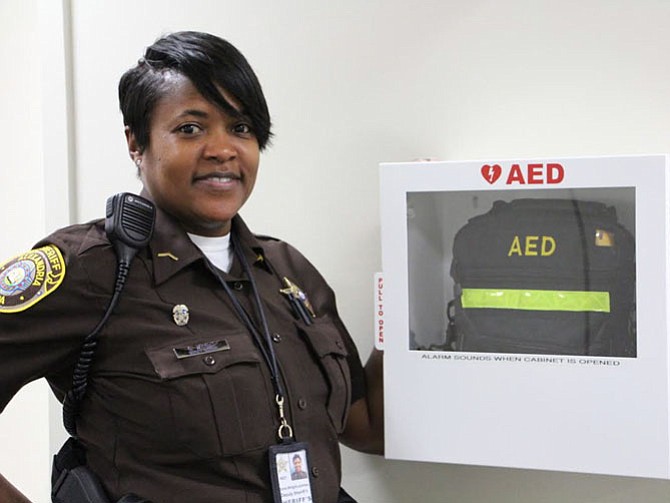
(129, 224)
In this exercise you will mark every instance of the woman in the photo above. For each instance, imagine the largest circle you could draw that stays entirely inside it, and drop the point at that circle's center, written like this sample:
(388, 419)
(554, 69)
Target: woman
(225, 355)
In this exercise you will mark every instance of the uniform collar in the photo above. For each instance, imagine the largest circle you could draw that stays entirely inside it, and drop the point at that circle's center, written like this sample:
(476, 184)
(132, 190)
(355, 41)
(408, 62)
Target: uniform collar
(252, 247)
(172, 250)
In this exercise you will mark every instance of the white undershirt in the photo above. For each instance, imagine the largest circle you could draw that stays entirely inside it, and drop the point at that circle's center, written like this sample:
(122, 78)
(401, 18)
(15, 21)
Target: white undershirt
(216, 249)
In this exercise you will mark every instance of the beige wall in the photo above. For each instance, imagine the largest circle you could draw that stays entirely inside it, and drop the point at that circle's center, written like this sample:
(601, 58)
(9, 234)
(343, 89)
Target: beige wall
(351, 84)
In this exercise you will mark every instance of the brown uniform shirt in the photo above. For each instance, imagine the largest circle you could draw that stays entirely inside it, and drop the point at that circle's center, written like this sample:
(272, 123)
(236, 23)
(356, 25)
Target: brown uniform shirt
(193, 429)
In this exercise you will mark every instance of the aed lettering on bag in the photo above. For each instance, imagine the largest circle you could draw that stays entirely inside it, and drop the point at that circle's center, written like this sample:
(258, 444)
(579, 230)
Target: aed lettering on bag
(545, 246)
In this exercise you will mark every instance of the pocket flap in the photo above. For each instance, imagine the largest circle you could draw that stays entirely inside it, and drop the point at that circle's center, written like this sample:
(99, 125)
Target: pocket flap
(202, 355)
(324, 338)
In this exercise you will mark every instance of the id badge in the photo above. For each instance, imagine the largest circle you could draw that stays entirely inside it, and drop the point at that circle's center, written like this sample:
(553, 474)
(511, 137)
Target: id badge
(289, 471)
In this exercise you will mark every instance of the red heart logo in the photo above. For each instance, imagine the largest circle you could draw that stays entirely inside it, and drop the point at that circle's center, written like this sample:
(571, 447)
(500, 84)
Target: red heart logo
(491, 173)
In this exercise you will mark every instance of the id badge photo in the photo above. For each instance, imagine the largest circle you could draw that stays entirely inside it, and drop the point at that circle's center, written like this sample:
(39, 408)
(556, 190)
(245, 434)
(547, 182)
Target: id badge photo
(289, 471)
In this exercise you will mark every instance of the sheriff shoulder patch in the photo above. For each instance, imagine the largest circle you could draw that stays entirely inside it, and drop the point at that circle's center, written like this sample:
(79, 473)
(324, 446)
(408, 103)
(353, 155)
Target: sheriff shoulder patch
(28, 278)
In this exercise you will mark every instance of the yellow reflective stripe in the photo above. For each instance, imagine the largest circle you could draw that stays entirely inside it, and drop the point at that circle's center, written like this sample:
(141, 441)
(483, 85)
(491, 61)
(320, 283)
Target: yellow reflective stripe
(536, 300)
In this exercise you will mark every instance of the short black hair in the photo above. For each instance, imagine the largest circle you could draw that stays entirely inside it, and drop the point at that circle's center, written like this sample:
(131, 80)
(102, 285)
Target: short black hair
(210, 63)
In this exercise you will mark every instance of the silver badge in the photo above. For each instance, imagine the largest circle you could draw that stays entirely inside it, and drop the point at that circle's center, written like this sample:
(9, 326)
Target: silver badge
(180, 314)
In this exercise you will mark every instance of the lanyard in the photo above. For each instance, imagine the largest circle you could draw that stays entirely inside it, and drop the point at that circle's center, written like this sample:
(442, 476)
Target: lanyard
(262, 337)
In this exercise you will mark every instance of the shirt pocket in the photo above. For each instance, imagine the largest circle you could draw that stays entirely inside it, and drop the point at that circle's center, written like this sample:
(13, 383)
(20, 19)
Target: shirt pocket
(221, 402)
(324, 339)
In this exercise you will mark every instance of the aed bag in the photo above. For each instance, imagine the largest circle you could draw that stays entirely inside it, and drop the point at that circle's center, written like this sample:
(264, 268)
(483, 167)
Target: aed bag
(544, 276)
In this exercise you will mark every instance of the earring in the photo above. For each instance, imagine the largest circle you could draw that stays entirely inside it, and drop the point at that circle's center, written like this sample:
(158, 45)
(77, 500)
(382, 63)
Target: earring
(138, 163)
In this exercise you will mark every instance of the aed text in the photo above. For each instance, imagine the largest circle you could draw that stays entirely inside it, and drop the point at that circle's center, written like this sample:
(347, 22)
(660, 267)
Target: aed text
(535, 174)
(532, 246)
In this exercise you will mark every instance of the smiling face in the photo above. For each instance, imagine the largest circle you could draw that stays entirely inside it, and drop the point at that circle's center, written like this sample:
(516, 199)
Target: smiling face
(201, 162)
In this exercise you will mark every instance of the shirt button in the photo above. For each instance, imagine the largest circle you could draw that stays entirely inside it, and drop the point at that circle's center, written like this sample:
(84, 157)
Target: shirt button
(238, 285)
(315, 471)
(339, 344)
(209, 360)
(276, 337)
(302, 403)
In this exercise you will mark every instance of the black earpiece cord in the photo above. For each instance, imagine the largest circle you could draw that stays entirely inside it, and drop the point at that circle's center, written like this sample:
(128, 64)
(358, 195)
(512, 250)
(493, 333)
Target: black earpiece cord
(74, 397)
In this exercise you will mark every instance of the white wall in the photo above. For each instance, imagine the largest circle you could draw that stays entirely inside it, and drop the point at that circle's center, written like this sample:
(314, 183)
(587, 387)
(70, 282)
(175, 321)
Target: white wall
(36, 184)
(354, 83)
(24, 425)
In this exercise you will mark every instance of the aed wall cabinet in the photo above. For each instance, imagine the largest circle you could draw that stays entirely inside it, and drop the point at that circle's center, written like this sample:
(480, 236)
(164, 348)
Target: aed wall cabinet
(526, 313)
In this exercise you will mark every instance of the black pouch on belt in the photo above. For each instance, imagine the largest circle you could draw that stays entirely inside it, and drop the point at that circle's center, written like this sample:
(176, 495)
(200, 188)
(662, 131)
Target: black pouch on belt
(73, 482)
